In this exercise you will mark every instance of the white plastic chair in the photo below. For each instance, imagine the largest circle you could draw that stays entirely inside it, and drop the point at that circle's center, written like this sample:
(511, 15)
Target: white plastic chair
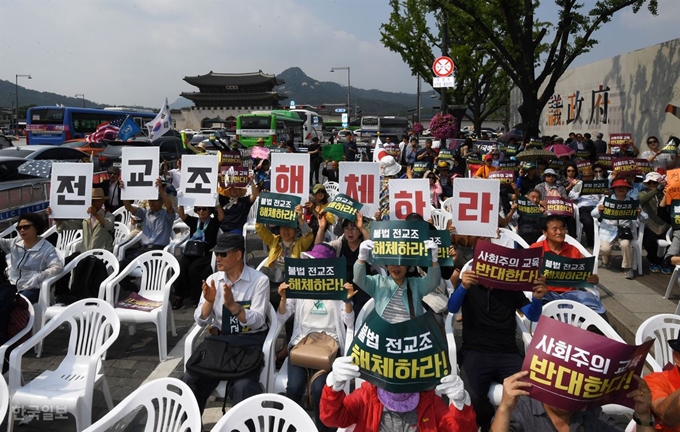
(17, 337)
(249, 226)
(158, 270)
(662, 244)
(333, 188)
(121, 234)
(67, 240)
(4, 398)
(447, 205)
(267, 349)
(661, 328)
(180, 237)
(94, 327)
(12, 229)
(125, 216)
(508, 238)
(120, 249)
(577, 217)
(266, 412)
(170, 407)
(49, 311)
(440, 218)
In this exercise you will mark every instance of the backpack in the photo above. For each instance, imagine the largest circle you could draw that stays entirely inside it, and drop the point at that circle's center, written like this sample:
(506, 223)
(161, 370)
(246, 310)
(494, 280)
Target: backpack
(86, 279)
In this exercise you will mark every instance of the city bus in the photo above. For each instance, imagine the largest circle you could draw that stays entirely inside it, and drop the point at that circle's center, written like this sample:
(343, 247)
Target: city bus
(312, 127)
(56, 124)
(273, 126)
(392, 126)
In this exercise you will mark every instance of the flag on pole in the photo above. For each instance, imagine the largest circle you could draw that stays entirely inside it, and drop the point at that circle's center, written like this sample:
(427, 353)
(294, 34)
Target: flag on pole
(379, 151)
(161, 124)
(108, 130)
(128, 129)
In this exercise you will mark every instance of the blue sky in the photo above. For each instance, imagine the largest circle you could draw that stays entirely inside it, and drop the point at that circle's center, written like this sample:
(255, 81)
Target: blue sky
(137, 52)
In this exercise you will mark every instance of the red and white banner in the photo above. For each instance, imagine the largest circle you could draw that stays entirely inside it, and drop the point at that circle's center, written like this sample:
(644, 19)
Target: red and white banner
(361, 182)
(290, 174)
(409, 196)
(475, 206)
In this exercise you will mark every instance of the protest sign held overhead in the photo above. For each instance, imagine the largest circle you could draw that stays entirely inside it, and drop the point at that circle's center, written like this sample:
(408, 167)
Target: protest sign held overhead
(671, 147)
(443, 240)
(258, 152)
(503, 176)
(400, 243)
(71, 190)
(344, 206)
(140, 173)
(625, 166)
(278, 209)
(290, 174)
(503, 268)
(334, 152)
(595, 187)
(644, 166)
(605, 160)
(318, 279)
(614, 209)
(558, 206)
(409, 196)
(526, 208)
(231, 158)
(445, 155)
(198, 183)
(567, 272)
(411, 356)
(575, 369)
(361, 182)
(672, 185)
(475, 206)
(235, 176)
(620, 139)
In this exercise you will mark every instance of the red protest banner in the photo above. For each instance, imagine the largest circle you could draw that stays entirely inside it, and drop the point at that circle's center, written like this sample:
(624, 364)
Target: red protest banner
(575, 370)
(559, 206)
(619, 139)
(504, 268)
(625, 166)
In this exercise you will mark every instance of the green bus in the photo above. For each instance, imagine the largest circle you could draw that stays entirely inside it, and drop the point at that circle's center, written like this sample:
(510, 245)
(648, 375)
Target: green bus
(274, 126)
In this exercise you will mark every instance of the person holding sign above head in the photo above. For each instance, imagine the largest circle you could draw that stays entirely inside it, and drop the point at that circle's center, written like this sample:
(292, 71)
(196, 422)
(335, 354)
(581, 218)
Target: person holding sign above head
(519, 413)
(233, 304)
(236, 205)
(32, 258)
(613, 229)
(313, 316)
(373, 409)
(489, 350)
(316, 207)
(665, 392)
(487, 168)
(528, 178)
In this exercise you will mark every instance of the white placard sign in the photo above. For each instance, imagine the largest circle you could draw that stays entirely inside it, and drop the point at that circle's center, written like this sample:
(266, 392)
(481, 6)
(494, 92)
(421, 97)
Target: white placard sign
(139, 172)
(475, 206)
(409, 196)
(290, 174)
(198, 181)
(71, 190)
(361, 182)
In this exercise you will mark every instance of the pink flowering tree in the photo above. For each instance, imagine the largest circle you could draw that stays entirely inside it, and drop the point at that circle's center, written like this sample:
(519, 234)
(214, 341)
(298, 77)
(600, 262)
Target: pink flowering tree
(443, 126)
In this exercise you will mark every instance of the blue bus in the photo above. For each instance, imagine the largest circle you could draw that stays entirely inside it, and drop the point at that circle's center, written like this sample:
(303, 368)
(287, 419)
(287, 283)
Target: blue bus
(56, 124)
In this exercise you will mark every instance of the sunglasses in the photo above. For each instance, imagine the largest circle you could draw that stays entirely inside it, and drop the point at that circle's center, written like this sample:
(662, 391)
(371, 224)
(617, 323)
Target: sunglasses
(571, 170)
(652, 142)
(23, 227)
(550, 175)
(222, 254)
(201, 209)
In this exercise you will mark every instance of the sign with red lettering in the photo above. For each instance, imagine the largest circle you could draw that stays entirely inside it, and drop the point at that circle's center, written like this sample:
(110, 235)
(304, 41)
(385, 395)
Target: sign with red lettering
(574, 369)
(409, 196)
(361, 182)
(290, 174)
(476, 205)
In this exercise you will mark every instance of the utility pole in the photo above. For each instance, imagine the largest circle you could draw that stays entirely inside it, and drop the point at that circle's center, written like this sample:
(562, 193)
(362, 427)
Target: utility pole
(418, 101)
(445, 52)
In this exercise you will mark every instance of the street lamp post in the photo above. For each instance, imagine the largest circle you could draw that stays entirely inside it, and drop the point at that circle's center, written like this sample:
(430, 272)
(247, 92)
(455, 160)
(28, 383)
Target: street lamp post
(83, 96)
(16, 94)
(349, 109)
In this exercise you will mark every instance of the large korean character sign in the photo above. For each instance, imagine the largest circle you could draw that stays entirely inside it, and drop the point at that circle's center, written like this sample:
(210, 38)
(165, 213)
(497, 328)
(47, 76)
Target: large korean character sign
(198, 184)
(409, 196)
(361, 182)
(71, 191)
(475, 206)
(290, 174)
(139, 173)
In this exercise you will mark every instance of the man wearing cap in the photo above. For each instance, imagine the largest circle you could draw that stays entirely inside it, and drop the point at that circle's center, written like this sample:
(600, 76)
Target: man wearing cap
(665, 389)
(445, 180)
(655, 227)
(527, 180)
(315, 160)
(487, 168)
(234, 305)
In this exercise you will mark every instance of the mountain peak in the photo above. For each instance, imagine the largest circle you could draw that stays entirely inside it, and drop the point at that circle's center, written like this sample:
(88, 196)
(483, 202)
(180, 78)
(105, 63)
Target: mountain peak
(293, 74)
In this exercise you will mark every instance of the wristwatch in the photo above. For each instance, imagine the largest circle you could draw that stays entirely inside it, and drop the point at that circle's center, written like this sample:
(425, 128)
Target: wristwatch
(637, 420)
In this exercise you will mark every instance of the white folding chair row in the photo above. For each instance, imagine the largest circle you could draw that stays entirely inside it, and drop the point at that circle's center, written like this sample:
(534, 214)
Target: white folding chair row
(94, 326)
(508, 238)
(440, 218)
(181, 232)
(125, 216)
(169, 403)
(661, 328)
(17, 337)
(4, 398)
(67, 240)
(333, 188)
(49, 310)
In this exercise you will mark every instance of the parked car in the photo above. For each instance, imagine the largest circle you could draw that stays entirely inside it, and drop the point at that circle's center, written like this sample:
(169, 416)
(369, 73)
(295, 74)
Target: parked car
(9, 170)
(95, 148)
(50, 152)
(171, 149)
(341, 136)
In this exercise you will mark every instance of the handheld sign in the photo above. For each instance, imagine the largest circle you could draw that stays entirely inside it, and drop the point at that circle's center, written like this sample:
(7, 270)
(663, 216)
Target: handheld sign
(443, 239)
(675, 214)
(595, 187)
(625, 166)
(622, 210)
(236, 176)
(140, 173)
(672, 185)
(644, 166)
(558, 206)
(198, 182)
(230, 323)
(136, 302)
(670, 148)
(475, 208)
(445, 155)
(361, 182)
(406, 357)
(319, 279)
(231, 158)
(409, 196)
(334, 152)
(400, 243)
(528, 209)
(258, 152)
(71, 191)
(505, 177)
(278, 209)
(567, 272)
(419, 168)
(575, 369)
(344, 206)
(605, 160)
(503, 268)
(619, 139)
(290, 174)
